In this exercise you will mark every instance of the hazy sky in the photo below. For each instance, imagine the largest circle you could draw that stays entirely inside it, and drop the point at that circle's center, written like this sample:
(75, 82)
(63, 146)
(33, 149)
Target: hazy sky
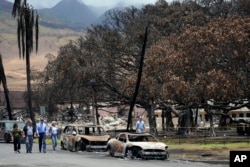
(50, 3)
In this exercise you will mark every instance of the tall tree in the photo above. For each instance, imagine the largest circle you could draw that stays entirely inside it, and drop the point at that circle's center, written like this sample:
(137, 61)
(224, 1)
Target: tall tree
(203, 63)
(137, 86)
(27, 22)
(6, 91)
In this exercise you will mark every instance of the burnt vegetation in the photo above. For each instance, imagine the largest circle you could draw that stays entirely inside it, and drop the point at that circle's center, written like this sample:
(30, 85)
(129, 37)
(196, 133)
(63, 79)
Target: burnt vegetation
(197, 56)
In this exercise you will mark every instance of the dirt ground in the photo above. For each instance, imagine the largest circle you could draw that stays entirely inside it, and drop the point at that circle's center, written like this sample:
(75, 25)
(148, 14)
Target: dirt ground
(199, 155)
(218, 156)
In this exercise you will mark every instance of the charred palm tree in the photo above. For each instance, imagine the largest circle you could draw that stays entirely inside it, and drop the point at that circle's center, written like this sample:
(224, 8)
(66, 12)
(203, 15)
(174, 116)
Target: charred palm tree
(5, 88)
(27, 23)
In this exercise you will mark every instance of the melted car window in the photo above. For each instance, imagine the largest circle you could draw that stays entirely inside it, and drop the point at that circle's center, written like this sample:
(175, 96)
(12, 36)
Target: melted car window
(141, 138)
(122, 138)
(69, 130)
(81, 130)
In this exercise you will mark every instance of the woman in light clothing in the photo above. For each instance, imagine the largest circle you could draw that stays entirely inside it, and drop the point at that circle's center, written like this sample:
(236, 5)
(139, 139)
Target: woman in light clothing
(53, 133)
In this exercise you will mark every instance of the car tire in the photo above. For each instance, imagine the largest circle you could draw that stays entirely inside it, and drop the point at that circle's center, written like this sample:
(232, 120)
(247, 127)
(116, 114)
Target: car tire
(7, 138)
(80, 146)
(136, 152)
(167, 155)
(62, 145)
(128, 153)
(111, 152)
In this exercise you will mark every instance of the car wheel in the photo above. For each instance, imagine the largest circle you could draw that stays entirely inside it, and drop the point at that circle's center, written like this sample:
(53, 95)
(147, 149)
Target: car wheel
(62, 145)
(80, 146)
(6, 138)
(111, 152)
(128, 153)
(167, 155)
(136, 152)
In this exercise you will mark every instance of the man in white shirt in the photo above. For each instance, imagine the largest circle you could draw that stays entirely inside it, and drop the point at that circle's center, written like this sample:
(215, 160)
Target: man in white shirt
(29, 131)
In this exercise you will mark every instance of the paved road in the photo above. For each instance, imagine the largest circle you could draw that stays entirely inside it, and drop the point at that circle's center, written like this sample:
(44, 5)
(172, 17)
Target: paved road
(63, 158)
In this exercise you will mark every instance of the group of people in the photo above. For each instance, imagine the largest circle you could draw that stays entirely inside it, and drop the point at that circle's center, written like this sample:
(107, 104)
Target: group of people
(41, 131)
(30, 131)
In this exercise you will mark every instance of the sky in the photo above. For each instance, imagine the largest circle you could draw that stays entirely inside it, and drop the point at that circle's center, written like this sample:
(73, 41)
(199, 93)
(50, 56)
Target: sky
(97, 3)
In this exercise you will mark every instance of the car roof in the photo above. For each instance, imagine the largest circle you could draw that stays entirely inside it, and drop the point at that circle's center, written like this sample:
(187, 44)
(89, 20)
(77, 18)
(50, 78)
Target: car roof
(137, 134)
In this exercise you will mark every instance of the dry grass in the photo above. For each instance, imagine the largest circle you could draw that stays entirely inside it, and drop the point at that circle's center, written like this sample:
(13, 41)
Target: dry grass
(205, 151)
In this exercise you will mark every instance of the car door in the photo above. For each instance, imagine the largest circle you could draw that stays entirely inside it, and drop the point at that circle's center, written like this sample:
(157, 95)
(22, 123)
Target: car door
(120, 145)
(124, 144)
(65, 136)
(72, 134)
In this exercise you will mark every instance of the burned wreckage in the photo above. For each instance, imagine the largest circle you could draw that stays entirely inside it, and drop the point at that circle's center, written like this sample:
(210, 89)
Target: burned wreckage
(84, 138)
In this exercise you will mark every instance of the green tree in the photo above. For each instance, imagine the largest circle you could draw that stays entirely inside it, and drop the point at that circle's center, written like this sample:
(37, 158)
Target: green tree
(27, 23)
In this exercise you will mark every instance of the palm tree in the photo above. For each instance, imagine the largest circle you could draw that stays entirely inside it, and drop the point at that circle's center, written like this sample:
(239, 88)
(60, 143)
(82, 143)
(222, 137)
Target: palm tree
(6, 91)
(27, 22)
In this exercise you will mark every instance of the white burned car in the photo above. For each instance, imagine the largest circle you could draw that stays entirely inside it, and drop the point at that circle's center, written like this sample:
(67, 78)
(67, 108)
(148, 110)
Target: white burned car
(137, 145)
(84, 138)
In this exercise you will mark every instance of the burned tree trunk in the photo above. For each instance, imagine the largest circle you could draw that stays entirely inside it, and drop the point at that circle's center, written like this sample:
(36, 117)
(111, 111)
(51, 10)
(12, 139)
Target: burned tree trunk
(163, 120)
(6, 91)
(137, 86)
(151, 118)
(169, 120)
(185, 122)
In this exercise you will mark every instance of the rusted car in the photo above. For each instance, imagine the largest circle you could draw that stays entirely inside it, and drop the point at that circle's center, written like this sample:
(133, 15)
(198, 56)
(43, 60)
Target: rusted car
(84, 138)
(6, 127)
(137, 145)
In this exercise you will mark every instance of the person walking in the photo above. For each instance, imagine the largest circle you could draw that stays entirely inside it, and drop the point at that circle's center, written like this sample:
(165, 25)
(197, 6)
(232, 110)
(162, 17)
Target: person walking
(17, 134)
(41, 133)
(29, 131)
(53, 130)
(140, 125)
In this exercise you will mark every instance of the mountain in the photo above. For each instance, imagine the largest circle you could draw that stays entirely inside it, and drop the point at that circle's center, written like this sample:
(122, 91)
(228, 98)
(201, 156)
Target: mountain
(57, 26)
(119, 6)
(5, 6)
(71, 12)
(53, 33)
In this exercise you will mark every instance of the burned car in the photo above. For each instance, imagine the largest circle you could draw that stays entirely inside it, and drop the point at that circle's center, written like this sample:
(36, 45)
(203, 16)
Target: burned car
(84, 138)
(6, 127)
(137, 145)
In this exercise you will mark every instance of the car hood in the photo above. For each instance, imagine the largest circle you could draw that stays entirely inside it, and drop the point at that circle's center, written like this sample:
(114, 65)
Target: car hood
(95, 138)
(149, 145)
